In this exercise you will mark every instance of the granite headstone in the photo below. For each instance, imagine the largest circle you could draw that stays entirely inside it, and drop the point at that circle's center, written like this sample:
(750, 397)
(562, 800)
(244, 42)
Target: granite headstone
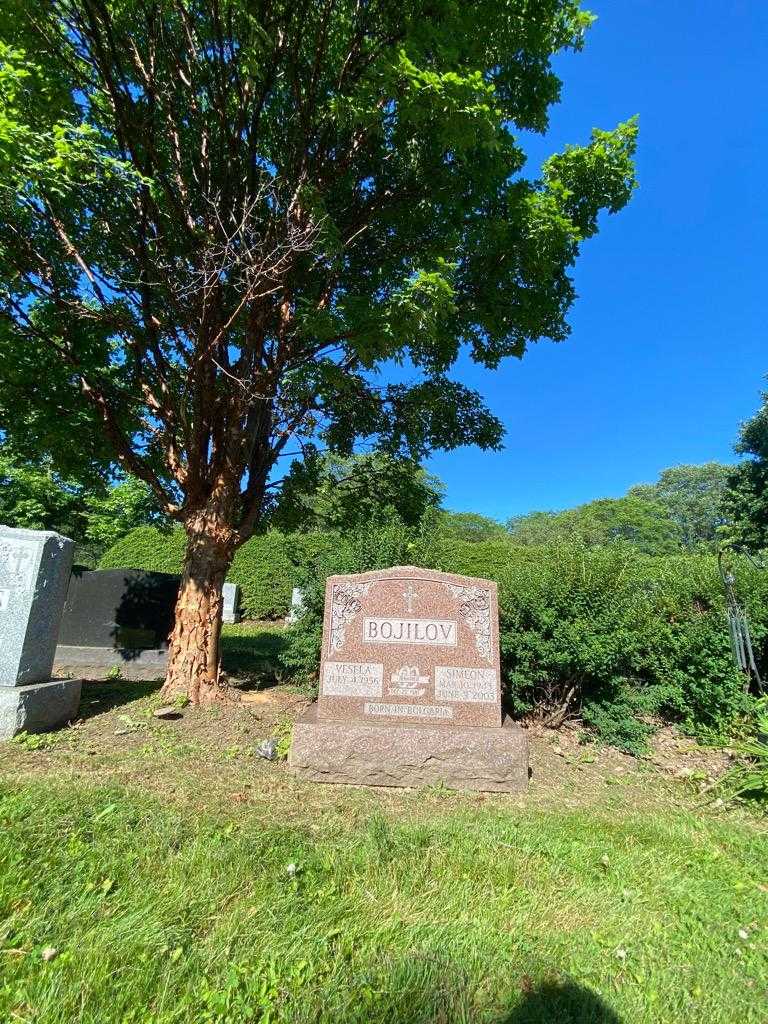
(230, 594)
(121, 619)
(119, 608)
(297, 606)
(117, 619)
(34, 572)
(410, 688)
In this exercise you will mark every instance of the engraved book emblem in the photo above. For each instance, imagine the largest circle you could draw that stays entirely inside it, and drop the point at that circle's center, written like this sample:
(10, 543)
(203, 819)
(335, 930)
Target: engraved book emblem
(407, 682)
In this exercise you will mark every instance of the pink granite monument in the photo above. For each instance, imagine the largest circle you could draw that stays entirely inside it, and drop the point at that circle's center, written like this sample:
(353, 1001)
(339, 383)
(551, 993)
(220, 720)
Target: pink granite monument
(410, 689)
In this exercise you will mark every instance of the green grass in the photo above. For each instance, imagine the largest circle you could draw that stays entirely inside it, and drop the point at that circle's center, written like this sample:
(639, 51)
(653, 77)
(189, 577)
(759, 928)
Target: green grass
(476, 912)
(251, 649)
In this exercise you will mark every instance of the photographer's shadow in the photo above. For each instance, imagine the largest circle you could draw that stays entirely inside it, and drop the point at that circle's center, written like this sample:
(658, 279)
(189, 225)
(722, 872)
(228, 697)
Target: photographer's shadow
(561, 1003)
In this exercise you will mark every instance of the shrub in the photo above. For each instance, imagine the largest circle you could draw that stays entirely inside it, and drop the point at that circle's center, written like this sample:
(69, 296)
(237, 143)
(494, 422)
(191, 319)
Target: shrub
(264, 572)
(748, 778)
(619, 638)
(147, 548)
(265, 567)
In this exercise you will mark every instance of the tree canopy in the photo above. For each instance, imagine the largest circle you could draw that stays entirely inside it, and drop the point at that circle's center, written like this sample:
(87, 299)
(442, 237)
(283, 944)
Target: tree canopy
(335, 492)
(644, 524)
(470, 526)
(693, 497)
(35, 496)
(746, 499)
(219, 221)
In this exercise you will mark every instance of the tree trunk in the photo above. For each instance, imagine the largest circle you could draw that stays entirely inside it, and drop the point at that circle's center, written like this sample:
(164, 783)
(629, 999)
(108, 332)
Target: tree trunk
(194, 668)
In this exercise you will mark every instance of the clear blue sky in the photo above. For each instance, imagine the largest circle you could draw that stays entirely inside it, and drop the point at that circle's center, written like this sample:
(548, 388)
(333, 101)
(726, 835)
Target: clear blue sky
(668, 350)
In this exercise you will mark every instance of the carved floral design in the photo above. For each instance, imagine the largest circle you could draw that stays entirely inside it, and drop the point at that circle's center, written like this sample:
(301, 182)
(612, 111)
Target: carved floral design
(475, 610)
(345, 604)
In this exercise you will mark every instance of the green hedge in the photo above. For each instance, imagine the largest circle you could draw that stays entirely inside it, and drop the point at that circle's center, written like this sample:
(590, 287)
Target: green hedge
(618, 638)
(148, 548)
(265, 567)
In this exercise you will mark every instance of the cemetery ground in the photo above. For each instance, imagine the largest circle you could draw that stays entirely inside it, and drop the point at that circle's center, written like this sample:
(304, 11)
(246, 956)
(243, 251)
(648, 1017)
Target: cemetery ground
(155, 872)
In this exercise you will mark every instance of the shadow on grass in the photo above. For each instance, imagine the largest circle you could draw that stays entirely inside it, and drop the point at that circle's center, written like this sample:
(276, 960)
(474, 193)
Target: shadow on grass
(548, 1003)
(561, 1003)
(100, 697)
(429, 989)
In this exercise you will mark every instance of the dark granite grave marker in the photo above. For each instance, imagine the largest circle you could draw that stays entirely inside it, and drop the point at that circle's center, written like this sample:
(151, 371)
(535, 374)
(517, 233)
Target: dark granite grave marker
(121, 619)
(125, 608)
(117, 619)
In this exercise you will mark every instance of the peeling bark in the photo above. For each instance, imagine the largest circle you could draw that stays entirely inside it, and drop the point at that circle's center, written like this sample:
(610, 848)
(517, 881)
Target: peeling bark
(194, 668)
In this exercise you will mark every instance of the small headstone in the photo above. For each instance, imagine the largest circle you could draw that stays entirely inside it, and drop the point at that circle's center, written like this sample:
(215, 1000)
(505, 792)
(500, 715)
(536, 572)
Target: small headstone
(117, 619)
(410, 687)
(297, 606)
(231, 603)
(34, 572)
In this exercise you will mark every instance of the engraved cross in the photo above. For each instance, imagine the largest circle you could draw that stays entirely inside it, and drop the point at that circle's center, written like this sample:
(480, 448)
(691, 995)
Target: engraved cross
(410, 596)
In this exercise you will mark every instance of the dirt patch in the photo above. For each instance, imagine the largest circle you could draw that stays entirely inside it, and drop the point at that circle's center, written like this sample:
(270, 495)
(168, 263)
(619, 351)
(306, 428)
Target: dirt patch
(671, 755)
(120, 714)
(208, 757)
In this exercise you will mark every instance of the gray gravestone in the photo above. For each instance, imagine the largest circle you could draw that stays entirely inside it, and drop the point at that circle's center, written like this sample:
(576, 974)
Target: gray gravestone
(231, 602)
(34, 573)
(297, 606)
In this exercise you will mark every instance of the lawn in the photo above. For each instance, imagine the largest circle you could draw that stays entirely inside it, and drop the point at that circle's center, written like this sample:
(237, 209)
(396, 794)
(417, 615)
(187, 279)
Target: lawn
(179, 878)
(249, 650)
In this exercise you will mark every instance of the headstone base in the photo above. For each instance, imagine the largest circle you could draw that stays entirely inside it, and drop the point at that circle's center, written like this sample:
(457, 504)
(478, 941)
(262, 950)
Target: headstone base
(484, 759)
(98, 662)
(38, 707)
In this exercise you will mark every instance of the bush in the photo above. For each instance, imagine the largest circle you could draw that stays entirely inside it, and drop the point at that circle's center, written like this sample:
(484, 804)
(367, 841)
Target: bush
(618, 638)
(748, 778)
(265, 567)
(147, 548)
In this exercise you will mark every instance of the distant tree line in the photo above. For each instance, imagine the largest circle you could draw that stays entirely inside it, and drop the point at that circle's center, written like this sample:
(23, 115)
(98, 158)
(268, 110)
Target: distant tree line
(688, 508)
(683, 510)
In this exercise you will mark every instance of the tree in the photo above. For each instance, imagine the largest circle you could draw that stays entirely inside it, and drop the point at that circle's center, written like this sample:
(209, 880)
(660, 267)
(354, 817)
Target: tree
(471, 526)
(538, 528)
(112, 514)
(36, 497)
(218, 220)
(693, 497)
(644, 524)
(93, 513)
(746, 501)
(335, 492)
